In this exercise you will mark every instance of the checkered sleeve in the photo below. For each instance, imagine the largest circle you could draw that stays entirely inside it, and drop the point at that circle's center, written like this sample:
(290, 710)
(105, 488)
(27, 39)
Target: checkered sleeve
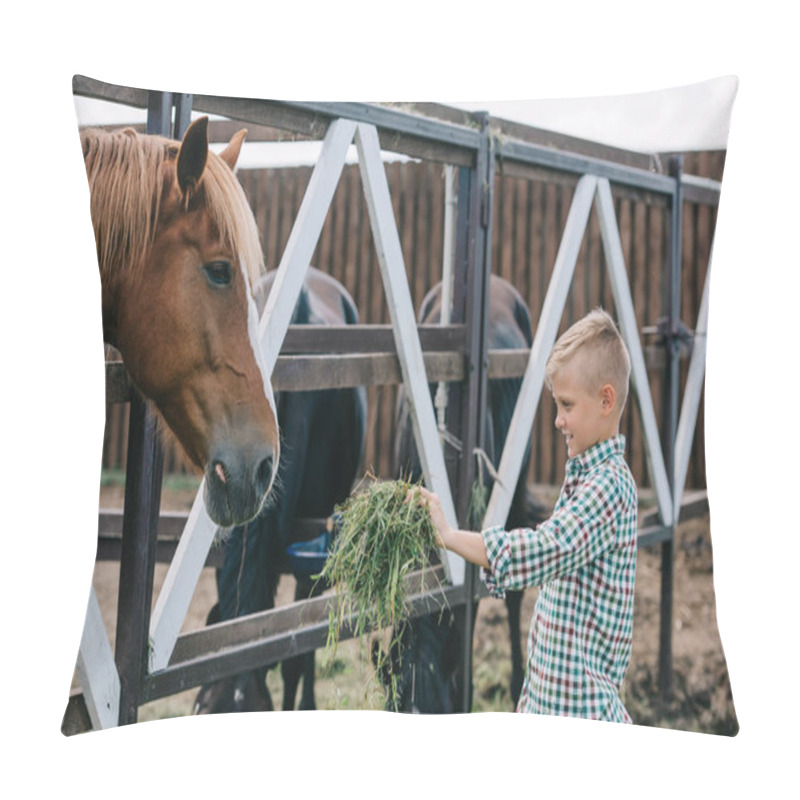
(580, 530)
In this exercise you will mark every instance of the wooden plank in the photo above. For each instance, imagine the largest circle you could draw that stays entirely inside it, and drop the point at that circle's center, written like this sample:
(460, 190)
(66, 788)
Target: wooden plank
(126, 95)
(364, 338)
(171, 525)
(284, 619)
(703, 191)
(109, 548)
(298, 373)
(270, 636)
(265, 112)
(305, 373)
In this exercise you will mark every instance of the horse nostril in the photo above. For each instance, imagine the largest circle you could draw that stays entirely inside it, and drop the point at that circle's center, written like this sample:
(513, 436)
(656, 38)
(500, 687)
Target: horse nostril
(219, 471)
(264, 473)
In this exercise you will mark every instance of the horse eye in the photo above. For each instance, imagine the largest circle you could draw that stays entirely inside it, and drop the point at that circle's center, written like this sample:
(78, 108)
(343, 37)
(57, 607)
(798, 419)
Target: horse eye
(219, 273)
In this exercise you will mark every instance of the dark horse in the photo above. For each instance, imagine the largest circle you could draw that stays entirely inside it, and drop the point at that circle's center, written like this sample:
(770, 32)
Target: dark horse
(428, 649)
(322, 440)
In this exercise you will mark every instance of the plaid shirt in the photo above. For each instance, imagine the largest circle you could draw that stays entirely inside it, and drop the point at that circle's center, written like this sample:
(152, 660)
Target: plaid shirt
(584, 560)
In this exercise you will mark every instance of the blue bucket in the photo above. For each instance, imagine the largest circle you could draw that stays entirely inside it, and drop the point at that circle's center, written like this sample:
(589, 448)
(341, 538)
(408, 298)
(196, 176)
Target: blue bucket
(307, 559)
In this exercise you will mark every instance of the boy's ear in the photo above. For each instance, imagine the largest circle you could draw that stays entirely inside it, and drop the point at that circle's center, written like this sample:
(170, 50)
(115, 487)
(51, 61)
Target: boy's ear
(608, 399)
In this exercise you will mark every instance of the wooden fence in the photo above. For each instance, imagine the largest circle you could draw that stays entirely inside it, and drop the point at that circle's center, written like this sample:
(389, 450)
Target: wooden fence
(528, 219)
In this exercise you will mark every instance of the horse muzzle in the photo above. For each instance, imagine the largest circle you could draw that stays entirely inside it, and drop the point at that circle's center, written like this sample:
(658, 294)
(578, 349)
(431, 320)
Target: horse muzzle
(237, 482)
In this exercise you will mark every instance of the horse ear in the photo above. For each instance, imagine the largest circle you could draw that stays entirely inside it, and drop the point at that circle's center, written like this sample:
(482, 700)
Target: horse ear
(193, 155)
(230, 155)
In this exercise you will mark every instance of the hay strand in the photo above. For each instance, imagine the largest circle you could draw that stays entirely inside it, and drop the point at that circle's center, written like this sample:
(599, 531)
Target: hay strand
(381, 540)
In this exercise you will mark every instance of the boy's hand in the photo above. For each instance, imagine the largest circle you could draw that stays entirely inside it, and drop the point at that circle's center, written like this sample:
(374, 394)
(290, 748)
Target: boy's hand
(467, 544)
(431, 500)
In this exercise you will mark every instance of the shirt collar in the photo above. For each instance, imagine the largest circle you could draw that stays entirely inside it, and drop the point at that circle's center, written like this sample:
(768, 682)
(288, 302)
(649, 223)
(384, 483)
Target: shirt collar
(596, 454)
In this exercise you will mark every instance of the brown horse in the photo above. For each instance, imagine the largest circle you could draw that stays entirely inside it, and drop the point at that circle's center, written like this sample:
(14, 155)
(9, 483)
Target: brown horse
(179, 254)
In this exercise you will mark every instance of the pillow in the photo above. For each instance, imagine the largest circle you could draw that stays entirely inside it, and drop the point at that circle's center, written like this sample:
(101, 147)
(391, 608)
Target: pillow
(540, 219)
(536, 182)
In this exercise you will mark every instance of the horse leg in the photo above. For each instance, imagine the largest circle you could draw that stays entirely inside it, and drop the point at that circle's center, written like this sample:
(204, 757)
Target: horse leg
(302, 666)
(291, 670)
(514, 606)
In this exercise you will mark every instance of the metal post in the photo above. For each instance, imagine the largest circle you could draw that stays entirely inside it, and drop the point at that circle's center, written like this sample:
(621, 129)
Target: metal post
(467, 409)
(159, 113)
(143, 477)
(137, 562)
(670, 425)
(183, 110)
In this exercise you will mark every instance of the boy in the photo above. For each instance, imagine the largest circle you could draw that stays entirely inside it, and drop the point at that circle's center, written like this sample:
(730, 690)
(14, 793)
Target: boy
(584, 557)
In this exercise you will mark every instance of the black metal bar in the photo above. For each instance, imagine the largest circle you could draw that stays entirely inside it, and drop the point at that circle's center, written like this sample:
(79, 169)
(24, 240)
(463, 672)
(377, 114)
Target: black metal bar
(473, 399)
(670, 420)
(159, 113)
(143, 478)
(416, 125)
(455, 408)
(183, 113)
(137, 561)
(582, 165)
(393, 120)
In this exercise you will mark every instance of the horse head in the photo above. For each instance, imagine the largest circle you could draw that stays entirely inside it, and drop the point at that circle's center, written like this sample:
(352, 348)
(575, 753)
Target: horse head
(179, 254)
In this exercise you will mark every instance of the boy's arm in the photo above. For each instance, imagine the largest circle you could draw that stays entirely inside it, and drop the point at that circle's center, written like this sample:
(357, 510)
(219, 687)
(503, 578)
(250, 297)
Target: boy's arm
(467, 544)
(581, 530)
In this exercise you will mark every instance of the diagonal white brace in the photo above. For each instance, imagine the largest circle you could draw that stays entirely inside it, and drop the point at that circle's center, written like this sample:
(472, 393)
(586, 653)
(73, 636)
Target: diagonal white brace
(691, 395)
(519, 431)
(409, 350)
(97, 671)
(612, 247)
(303, 239)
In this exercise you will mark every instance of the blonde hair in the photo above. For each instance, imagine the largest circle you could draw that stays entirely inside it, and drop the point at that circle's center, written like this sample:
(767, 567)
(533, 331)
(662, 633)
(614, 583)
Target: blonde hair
(595, 335)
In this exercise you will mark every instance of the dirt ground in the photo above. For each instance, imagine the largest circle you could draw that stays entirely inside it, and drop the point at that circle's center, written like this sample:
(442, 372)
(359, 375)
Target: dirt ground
(701, 696)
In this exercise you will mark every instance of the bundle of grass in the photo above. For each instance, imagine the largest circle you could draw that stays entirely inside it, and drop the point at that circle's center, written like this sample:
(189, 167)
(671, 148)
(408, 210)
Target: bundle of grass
(381, 539)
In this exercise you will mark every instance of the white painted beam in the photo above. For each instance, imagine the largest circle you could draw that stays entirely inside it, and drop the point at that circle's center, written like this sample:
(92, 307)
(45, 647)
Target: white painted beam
(97, 670)
(303, 239)
(612, 247)
(519, 432)
(692, 393)
(409, 350)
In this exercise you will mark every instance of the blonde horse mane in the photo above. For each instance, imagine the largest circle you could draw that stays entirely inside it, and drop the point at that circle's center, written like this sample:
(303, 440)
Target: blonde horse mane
(126, 182)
